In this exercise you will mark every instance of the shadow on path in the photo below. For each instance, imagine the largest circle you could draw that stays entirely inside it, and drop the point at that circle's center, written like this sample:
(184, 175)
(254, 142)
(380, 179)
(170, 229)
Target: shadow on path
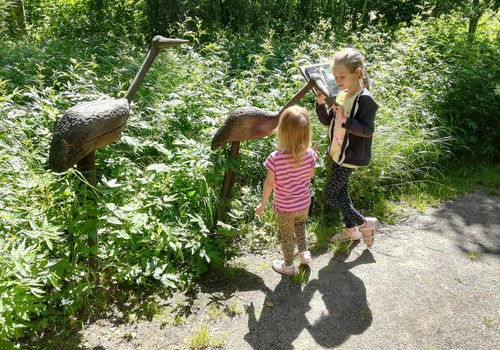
(472, 220)
(229, 280)
(344, 310)
(344, 296)
(282, 318)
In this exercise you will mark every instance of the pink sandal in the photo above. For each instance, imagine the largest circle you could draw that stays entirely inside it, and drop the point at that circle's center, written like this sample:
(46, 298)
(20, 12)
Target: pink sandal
(349, 234)
(305, 257)
(368, 231)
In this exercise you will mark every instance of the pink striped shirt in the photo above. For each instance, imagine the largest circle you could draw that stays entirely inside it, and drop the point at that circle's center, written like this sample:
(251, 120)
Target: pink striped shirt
(291, 184)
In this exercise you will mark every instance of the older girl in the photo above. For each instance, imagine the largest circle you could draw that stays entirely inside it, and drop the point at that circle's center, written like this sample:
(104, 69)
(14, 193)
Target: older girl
(350, 130)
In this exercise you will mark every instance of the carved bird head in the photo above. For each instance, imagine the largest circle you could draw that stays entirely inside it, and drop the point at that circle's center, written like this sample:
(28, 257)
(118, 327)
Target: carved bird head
(161, 43)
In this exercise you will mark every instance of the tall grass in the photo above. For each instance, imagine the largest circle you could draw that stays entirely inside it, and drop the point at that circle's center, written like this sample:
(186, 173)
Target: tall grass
(159, 184)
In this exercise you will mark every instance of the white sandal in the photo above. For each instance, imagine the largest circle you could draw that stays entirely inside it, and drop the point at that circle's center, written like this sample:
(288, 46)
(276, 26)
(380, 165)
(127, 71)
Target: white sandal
(280, 267)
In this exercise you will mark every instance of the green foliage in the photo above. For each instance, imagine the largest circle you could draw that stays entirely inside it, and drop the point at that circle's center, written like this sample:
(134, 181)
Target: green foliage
(81, 18)
(4, 18)
(158, 185)
(70, 18)
(459, 82)
(471, 100)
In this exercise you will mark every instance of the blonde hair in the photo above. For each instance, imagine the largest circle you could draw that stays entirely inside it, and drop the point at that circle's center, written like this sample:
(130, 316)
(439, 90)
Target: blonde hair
(352, 60)
(294, 132)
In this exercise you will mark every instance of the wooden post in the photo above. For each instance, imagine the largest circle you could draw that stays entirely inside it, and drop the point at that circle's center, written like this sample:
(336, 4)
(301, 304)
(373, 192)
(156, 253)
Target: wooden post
(87, 167)
(228, 181)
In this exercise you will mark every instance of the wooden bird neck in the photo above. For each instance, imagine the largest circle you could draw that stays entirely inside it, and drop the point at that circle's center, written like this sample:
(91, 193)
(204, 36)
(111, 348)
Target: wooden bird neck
(153, 52)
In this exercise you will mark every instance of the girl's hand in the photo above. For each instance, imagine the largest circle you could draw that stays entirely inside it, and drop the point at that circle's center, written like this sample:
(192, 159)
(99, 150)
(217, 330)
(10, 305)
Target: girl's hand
(320, 98)
(260, 209)
(339, 112)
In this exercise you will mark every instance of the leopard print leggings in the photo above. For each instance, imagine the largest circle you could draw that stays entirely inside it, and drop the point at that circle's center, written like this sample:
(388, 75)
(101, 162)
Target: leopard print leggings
(292, 229)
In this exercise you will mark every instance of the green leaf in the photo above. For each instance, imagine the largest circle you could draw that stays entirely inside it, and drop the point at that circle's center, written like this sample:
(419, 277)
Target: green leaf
(37, 292)
(159, 168)
(123, 234)
(113, 220)
(169, 280)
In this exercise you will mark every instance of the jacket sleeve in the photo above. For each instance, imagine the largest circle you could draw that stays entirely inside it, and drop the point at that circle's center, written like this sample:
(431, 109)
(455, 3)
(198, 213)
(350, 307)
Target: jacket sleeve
(324, 114)
(363, 123)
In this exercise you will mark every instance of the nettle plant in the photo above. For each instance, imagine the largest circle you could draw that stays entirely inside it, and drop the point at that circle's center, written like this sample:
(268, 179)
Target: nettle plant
(34, 253)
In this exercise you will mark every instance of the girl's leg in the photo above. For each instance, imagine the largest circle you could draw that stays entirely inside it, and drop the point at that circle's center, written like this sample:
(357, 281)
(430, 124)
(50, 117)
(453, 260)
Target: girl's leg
(301, 236)
(287, 235)
(300, 229)
(337, 195)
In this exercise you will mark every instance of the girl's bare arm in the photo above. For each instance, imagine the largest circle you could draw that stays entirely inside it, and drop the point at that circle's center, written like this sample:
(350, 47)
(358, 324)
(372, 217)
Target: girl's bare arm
(266, 193)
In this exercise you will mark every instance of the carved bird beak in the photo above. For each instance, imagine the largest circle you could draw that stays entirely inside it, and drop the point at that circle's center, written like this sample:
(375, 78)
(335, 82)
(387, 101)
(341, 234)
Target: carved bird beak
(162, 43)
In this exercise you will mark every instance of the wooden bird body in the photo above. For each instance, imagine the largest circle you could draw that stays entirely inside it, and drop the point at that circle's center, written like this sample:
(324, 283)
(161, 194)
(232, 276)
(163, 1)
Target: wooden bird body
(250, 123)
(86, 128)
(245, 123)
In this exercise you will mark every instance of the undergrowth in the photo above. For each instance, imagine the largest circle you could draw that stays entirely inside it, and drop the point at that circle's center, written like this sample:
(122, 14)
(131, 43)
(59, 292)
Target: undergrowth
(159, 184)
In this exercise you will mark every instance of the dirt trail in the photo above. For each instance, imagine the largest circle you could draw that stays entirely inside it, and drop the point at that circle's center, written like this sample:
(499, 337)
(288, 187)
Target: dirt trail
(430, 282)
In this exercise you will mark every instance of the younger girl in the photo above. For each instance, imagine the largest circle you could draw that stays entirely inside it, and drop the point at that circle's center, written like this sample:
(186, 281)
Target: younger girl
(289, 173)
(351, 126)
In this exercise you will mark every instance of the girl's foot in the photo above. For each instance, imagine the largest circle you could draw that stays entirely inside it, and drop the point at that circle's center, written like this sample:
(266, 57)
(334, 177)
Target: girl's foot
(305, 257)
(349, 234)
(368, 230)
(280, 267)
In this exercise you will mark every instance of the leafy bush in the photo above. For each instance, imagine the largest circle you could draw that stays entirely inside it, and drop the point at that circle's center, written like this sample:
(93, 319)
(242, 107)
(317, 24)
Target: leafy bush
(470, 100)
(158, 185)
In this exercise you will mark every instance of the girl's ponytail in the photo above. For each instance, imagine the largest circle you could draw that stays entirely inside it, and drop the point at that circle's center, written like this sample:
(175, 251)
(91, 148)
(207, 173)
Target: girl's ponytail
(365, 80)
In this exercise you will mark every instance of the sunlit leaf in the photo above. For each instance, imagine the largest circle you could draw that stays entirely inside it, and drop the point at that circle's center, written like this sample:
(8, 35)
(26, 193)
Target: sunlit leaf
(159, 168)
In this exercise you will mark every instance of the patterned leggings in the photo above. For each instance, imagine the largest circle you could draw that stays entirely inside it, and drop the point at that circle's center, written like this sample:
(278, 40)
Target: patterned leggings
(292, 228)
(337, 195)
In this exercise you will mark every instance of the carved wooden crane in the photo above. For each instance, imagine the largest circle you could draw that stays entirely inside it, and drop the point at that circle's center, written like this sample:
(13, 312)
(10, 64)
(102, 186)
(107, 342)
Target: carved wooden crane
(250, 123)
(92, 125)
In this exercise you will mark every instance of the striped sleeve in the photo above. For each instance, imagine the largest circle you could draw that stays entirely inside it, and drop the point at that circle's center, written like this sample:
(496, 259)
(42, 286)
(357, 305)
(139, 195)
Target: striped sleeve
(270, 162)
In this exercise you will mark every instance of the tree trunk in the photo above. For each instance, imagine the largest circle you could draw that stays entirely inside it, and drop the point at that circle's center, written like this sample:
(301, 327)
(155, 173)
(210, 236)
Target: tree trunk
(291, 8)
(473, 19)
(217, 10)
(18, 18)
(340, 18)
(363, 13)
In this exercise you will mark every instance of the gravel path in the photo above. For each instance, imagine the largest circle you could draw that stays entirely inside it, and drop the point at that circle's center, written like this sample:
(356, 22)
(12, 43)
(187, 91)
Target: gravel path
(429, 282)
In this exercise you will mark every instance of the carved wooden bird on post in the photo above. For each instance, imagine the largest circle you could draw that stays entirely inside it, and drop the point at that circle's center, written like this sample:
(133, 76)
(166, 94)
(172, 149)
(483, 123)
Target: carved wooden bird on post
(248, 123)
(92, 125)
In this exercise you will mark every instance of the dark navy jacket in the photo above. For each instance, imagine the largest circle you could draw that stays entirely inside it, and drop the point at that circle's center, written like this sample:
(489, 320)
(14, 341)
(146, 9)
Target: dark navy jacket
(357, 146)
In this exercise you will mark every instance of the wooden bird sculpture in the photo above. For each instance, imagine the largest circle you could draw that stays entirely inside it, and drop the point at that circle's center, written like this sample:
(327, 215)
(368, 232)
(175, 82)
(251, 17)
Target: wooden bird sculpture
(248, 123)
(92, 125)
(245, 123)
